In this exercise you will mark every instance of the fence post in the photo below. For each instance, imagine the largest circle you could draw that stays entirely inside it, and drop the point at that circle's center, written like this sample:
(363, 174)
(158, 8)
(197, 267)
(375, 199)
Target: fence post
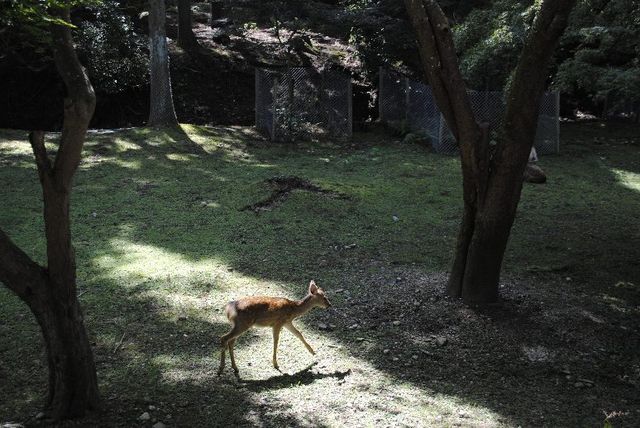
(350, 107)
(256, 102)
(274, 111)
(380, 92)
(407, 102)
(557, 117)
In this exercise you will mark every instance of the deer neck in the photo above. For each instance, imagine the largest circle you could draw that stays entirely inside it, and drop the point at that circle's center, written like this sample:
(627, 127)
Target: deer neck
(303, 306)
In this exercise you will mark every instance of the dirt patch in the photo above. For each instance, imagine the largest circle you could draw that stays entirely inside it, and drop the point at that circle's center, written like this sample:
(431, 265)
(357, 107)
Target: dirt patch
(282, 186)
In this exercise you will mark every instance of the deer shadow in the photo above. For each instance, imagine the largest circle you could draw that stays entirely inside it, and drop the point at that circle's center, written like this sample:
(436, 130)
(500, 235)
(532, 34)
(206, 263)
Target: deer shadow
(305, 376)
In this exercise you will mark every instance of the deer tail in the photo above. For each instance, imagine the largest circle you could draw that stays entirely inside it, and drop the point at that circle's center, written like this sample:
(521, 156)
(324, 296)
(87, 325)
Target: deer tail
(230, 310)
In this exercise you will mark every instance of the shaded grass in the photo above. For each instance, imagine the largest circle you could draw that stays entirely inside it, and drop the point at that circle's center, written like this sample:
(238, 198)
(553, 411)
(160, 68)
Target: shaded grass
(162, 243)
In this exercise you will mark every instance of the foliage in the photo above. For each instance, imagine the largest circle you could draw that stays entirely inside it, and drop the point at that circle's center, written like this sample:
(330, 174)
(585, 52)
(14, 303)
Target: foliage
(597, 57)
(25, 27)
(489, 40)
(115, 55)
(601, 50)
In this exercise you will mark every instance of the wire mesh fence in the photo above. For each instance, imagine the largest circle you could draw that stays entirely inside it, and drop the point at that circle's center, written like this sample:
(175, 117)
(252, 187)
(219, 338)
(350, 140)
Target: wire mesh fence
(409, 106)
(302, 103)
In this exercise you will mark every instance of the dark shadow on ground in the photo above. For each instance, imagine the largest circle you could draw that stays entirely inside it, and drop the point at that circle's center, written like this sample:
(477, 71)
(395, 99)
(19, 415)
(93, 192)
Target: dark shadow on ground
(305, 376)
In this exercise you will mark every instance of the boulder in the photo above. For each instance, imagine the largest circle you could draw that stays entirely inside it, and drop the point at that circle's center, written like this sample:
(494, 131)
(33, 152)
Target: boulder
(534, 174)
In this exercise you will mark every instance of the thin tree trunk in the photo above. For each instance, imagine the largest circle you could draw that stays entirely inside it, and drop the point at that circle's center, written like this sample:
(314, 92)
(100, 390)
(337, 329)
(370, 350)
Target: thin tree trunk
(186, 37)
(162, 111)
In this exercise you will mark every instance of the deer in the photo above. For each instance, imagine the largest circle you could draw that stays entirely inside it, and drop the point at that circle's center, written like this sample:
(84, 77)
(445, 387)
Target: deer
(264, 311)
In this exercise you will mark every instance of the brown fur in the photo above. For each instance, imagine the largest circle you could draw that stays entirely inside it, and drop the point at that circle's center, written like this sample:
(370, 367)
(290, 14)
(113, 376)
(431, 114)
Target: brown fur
(265, 311)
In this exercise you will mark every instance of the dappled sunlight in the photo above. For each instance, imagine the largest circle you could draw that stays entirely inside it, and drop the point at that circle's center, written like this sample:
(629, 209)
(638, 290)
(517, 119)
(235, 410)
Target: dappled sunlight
(181, 157)
(628, 179)
(183, 284)
(337, 390)
(231, 140)
(130, 259)
(195, 291)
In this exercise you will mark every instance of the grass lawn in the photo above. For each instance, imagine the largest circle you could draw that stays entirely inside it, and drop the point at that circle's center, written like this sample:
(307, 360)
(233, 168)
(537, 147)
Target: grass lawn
(163, 242)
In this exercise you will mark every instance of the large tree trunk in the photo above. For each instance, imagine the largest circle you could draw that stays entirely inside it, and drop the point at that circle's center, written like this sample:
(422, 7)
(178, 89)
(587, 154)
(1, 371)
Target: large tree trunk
(162, 112)
(186, 38)
(51, 293)
(492, 182)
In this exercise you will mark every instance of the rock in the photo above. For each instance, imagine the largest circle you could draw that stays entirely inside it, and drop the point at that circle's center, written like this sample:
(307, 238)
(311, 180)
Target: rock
(395, 359)
(579, 385)
(152, 407)
(396, 323)
(359, 339)
(534, 174)
(420, 137)
(12, 425)
(441, 341)
(159, 425)
(385, 351)
(323, 326)
(145, 416)
(222, 39)
(395, 218)
(415, 357)
(40, 415)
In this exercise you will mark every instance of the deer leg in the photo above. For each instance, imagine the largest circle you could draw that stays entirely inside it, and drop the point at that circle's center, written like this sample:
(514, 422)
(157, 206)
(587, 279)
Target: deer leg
(233, 360)
(236, 331)
(299, 335)
(276, 337)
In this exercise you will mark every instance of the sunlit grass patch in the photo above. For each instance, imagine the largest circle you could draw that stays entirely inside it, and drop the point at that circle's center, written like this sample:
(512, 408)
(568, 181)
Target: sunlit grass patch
(628, 179)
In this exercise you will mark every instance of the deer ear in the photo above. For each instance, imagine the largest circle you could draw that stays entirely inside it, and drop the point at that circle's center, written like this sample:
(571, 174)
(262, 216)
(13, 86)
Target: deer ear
(313, 288)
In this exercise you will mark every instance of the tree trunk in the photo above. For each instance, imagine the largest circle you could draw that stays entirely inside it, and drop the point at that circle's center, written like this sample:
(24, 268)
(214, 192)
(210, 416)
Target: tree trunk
(73, 384)
(186, 38)
(51, 293)
(492, 182)
(162, 112)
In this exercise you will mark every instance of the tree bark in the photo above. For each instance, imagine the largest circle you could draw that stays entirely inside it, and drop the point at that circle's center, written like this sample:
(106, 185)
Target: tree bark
(491, 182)
(51, 293)
(162, 111)
(186, 37)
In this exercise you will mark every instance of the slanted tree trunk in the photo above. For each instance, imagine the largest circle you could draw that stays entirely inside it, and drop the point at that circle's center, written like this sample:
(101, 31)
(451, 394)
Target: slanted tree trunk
(51, 293)
(186, 38)
(162, 112)
(491, 179)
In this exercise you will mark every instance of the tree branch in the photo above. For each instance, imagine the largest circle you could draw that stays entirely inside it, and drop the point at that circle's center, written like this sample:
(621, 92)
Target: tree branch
(525, 93)
(18, 272)
(439, 60)
(79, 104)
(36, 138)
(440, 63)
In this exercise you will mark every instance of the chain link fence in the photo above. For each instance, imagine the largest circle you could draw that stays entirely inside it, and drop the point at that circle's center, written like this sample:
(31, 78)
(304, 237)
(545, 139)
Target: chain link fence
(302, 103)
(409, 106)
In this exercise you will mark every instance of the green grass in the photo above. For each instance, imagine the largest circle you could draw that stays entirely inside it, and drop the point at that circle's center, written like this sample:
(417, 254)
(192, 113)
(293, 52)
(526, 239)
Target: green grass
(160, 235)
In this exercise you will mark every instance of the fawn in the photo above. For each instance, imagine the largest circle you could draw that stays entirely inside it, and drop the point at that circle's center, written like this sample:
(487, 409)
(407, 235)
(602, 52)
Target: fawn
(275, 312)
